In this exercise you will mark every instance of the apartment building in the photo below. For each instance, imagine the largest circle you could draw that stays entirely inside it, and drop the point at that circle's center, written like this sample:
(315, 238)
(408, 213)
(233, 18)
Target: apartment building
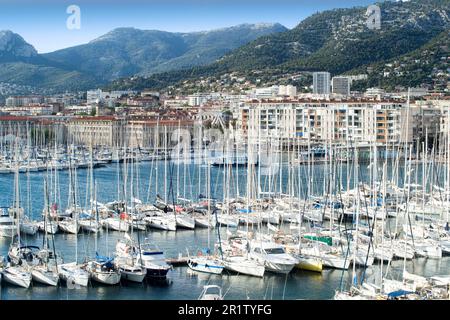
(340, 121)
(119, 131)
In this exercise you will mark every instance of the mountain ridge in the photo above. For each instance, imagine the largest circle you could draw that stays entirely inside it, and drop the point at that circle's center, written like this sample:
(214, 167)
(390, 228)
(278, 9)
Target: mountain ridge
(334, 40)
(113, 55)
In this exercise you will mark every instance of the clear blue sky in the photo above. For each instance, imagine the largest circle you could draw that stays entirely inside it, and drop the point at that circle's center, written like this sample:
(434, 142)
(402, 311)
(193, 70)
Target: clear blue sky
(43, 22)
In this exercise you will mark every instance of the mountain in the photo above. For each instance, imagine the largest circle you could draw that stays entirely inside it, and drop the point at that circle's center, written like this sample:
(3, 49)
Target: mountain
(14, 48)
(121, 52)
(427, 66)
(20, 64)
(337, 40)
(128, 51)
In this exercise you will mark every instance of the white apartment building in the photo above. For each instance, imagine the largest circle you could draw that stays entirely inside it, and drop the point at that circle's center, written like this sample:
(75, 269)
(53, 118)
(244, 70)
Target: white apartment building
(198, 99)
(288, 90)
(97, 96)
(361, 122)
(29, 110)
(17, 101)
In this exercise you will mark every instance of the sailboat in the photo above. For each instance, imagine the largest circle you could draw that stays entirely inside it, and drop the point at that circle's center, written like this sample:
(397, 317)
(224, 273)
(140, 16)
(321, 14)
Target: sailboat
(183, 220)
(204, 261)
(126, 260)
(46, 270)
(103, 270)
(69, 225)
(17, 275)
(45, 274)
(72, 273)
(161, 222)
(130, 271)
(127, 253)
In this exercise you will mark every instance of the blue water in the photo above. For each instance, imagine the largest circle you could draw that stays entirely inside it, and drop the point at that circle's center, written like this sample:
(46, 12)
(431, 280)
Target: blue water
(181, 282)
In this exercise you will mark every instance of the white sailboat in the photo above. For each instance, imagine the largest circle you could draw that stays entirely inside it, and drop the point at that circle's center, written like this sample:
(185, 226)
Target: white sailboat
(185, 221)
(204, 261)
(206, 264)
(89, 225)
(73, 274)
(69, 225)
(166, 223)
(45, 275)
(17, 275)
(116, 224)
(103, 270)
(243, 265)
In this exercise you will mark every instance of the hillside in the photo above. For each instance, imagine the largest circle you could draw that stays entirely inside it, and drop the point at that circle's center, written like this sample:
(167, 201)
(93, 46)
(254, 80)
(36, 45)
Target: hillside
(128, 51)
(336, 40)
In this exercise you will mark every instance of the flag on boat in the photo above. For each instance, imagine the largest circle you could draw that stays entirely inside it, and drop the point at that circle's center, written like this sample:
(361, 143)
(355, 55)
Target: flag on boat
(54, 209)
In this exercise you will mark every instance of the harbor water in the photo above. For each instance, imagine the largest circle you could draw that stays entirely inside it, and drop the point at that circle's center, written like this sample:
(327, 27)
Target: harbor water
(181, 283)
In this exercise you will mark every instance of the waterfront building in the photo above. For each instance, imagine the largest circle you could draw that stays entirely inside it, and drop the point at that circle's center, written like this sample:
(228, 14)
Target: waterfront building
(322, 121)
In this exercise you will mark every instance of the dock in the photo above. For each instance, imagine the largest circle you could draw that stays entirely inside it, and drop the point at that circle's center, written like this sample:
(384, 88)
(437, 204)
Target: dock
(176, 262)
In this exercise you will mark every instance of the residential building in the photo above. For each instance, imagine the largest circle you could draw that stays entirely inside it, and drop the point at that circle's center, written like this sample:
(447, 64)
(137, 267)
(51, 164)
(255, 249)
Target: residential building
(341, 86)
(321, 83)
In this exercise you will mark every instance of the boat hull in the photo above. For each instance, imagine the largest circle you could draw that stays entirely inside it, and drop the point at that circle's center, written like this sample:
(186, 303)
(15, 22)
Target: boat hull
(133, 276)
(205, 265)
(108, 278)
(243, 266)
(45, 277)
(17, 278)
(310, 264)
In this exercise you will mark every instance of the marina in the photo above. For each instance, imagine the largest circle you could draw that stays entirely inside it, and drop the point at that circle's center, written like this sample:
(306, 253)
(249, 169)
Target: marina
(192, 151)
(318, 261)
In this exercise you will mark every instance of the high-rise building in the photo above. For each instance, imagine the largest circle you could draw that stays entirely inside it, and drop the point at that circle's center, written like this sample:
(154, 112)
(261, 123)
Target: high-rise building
(321, 82)
(340, 85)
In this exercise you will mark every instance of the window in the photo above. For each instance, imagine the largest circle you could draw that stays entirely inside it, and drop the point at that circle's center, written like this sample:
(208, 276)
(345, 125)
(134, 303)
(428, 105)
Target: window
(274, 251)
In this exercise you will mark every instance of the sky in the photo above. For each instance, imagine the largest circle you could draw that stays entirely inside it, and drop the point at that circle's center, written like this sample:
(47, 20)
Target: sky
(43, 23)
